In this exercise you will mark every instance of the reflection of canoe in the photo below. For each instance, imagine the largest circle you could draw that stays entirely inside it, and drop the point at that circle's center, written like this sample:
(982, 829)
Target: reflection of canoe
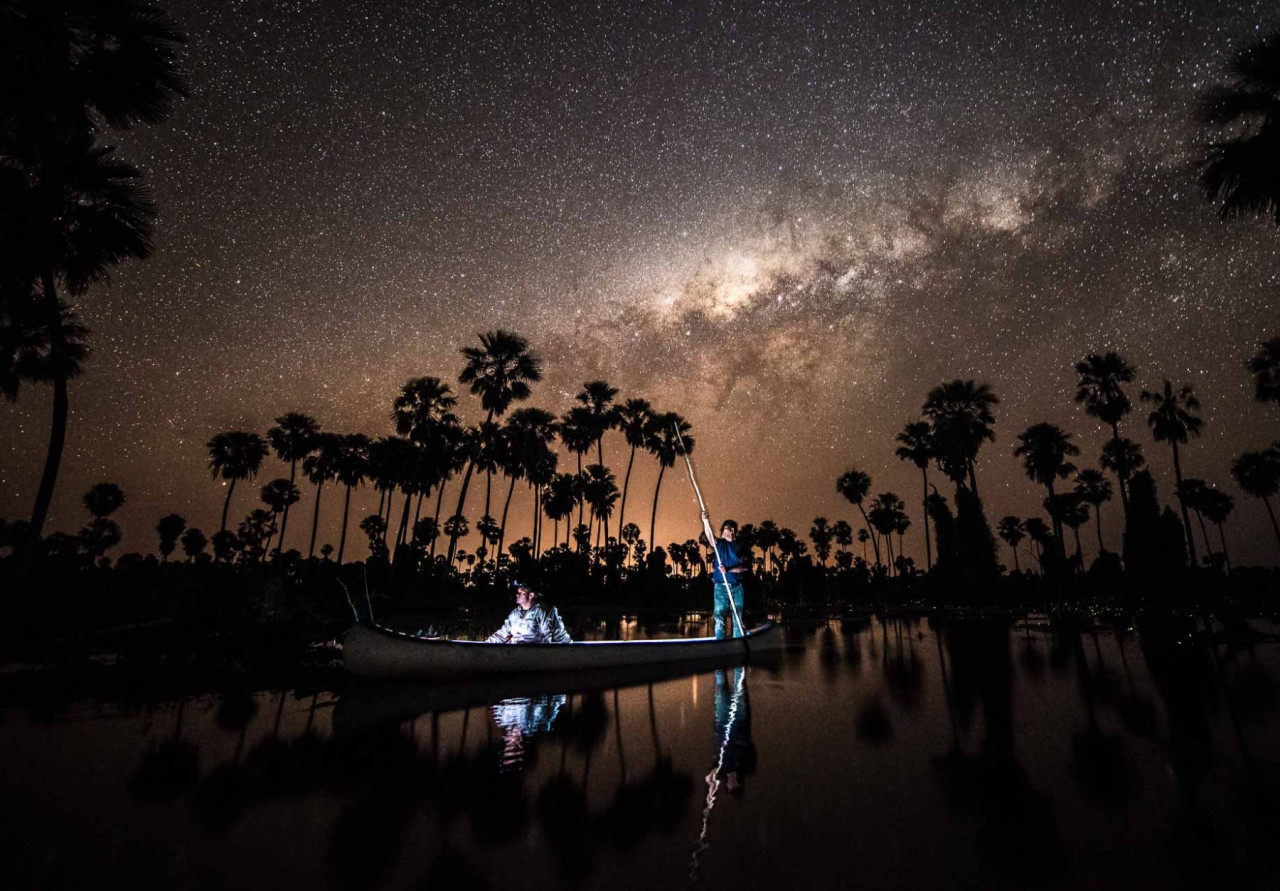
(376, 652)
(365, 705)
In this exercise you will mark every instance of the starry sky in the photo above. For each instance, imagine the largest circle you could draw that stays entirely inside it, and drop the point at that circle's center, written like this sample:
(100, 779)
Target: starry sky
(786, 221)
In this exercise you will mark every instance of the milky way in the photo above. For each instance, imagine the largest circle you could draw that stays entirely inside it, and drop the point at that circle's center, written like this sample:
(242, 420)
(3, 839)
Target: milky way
(786, 221)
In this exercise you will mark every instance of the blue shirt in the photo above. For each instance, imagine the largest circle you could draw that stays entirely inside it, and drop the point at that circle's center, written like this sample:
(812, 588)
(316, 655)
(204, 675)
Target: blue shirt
(729, 558)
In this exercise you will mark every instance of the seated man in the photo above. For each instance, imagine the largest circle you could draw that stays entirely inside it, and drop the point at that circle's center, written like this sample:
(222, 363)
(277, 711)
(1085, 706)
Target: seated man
(530, 621)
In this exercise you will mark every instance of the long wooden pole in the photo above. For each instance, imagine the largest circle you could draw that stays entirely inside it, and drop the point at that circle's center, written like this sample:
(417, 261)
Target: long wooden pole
(714, 549)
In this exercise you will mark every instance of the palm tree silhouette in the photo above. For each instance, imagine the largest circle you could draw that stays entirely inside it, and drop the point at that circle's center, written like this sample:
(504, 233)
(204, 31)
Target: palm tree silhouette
(1099, 390)
(1044, 449)
(321, 466)
(669, 439)
(235, 455)
(529, 434)
(597, 397)
(767, 538)
(1192, 492)
(69, 218)
(1012, 533)
(1258, 474)
(886, 510)
(352, 469)
(634, 419)
(1217, 506)
(917, 447)
(1239, 173)
(558, 501)
(960, 412)
(1265, 368)
(600, 490)
(855, 485)
(577, 432)
(1171, 420)
(821, 533)
(292, 439)
(1123, 457)
(499, 371)
(170, 528)
(1094, 489)
(279, 495)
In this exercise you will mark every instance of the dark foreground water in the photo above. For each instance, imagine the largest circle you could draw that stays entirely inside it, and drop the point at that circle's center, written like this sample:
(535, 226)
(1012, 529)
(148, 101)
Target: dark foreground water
(896, 754)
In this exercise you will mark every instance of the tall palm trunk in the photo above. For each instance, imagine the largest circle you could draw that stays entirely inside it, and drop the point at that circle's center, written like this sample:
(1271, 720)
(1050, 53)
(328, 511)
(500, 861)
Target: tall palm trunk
(928, 549)
(1186, 520)
(1122, 478)
(1016, 567)
(626, 481)
(315, 520)
(1270, 513)
(342, 541)
(1060, 545)
(57, 430)
(653, 518)
(579, 476)
(1097, 516)
(502, 528)
(875, 544)
(462, 500)
(1222, 536)
(226, 504)
(973, 480)
(439, 499)
(404, 521)
(284, 521)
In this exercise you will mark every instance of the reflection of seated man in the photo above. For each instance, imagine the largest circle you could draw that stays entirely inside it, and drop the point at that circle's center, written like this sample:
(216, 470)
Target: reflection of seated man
(522, 717)
(530, 621)
(733, 733)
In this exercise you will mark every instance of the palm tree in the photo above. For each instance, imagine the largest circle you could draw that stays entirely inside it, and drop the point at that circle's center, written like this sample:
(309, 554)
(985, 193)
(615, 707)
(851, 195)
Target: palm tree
(1099, 390)
(1265, 368)
(578, 435)
(1124, 458)
(1172, 421)
(669, 438)
(634, 418)
(917, 447)
(1193, 492)
(597, 397)
(1258, 474)
(352, 470)
(960, 412)
(1044, 449)
(292, 439)
(193, 543)
(235, 455)
(1094, 489)
(558, 501)
(320, 467)
(1011, 531)
(423, 406)
(600, 490)
(104, 499)
(821, 534)
(886, 510)
(767, 538)
(1239, 173)
(499, 371)
(1217, 506)
(68, 220)
(1069, 509)
(843, 533)
(279, 495)
(529, 433)
(170, 528)
(863, 537)
(855, 485)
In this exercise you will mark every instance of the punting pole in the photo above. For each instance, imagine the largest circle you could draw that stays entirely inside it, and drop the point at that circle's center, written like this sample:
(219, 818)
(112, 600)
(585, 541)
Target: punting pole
(714, 549)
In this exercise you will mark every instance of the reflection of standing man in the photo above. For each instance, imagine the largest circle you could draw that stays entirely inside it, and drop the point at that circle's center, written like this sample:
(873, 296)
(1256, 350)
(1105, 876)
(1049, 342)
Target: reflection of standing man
(737, 757)
(727, 578)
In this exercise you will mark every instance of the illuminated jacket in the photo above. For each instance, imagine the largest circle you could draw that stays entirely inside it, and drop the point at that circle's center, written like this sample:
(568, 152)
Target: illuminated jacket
(538, 624)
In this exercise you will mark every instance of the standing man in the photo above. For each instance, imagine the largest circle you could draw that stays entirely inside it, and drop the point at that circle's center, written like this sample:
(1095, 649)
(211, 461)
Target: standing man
(732, 564)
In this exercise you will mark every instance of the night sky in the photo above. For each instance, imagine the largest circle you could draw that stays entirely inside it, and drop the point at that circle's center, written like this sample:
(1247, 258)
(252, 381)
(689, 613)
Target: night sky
(786, 221)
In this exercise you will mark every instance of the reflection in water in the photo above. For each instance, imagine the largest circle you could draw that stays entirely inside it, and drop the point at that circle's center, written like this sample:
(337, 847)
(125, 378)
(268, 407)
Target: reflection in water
(520, 718)
(735, 750)
(1143, 756)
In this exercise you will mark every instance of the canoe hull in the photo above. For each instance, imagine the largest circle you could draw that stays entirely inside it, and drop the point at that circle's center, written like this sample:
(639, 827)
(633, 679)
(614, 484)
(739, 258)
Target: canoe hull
(376, 652)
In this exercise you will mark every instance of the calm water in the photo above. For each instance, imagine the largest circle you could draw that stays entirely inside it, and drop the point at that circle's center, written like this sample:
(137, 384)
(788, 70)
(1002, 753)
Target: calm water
(870, 755)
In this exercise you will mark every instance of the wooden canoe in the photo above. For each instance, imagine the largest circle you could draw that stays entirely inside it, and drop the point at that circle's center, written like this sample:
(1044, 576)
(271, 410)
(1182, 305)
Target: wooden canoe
(372, 651)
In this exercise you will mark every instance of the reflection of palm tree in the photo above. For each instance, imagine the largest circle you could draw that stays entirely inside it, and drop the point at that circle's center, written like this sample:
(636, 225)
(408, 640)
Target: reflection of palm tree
(1100, 391)
(1172, 421)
